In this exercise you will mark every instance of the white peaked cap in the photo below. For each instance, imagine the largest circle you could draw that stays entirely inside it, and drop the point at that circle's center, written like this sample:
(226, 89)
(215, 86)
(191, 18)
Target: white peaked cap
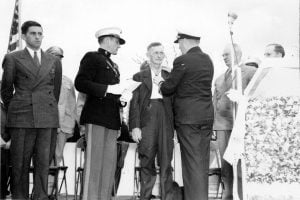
(110, 31)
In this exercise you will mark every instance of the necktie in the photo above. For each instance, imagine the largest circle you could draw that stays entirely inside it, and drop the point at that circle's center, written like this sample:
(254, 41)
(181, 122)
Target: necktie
(228, 74)
(36, 59)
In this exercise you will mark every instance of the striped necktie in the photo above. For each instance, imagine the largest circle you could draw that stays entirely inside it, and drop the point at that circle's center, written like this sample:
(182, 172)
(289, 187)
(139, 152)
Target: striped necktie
(36, 59)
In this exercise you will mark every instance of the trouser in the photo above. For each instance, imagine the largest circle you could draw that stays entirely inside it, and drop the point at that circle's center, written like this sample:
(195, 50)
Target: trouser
(58, 141)
(194, 143)
(122, 148)
(4, 172)
(25, 144)
(157, 139)
(60, 145)
(100, 162)
(223, 137)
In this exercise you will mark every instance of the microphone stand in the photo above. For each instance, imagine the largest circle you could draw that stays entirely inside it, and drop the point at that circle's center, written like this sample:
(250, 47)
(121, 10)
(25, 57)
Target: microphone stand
(235, 70)
(236, 84)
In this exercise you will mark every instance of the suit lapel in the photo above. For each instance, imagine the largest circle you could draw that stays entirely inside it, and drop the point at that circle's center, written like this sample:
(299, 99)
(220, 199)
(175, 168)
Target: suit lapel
(27, 61)
(46, 62)
(148, 79)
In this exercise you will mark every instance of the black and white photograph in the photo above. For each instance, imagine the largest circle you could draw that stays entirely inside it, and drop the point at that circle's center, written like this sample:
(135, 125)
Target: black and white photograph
(150, 100)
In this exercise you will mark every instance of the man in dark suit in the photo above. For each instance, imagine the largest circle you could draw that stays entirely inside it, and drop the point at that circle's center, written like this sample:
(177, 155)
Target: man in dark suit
(98, 77)
(223, 121)
(190, 82)
(30, 91)
(151, 123)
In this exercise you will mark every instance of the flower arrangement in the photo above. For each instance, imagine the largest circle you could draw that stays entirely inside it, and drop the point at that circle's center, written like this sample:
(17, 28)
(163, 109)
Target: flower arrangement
(272, 140)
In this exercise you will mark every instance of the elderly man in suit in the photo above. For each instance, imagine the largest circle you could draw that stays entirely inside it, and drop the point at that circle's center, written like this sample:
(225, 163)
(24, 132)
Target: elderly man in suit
(190, 83)
(30, 92)
(98, 77)
(223, 122)
(151, 123)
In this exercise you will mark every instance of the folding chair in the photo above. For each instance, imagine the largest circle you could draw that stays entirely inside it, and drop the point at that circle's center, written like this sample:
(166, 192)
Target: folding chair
(63, 169)
(215, 170)
(79, 167)
(53, 171)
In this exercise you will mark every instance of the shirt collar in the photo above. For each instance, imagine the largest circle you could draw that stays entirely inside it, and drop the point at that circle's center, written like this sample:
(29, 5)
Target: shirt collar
(104, 52)
(31, 52)
(153, 73)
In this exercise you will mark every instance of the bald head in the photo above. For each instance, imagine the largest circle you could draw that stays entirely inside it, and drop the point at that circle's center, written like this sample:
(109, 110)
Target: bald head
(227, 54)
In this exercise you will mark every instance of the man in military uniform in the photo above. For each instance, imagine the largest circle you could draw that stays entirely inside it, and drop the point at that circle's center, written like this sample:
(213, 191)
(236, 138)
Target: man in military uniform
(190, 82)
(98, 77)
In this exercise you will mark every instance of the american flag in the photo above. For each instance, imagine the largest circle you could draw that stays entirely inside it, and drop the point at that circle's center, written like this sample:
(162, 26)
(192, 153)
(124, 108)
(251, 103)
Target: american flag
(15, 41)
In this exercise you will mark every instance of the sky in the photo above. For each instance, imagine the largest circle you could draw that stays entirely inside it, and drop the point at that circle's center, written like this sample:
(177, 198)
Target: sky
(71, 24)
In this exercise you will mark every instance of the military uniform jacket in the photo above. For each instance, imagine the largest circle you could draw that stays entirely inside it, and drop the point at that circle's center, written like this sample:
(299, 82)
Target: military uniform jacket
(190, 82)
(96, 72)
(30, 93)
(139, 105)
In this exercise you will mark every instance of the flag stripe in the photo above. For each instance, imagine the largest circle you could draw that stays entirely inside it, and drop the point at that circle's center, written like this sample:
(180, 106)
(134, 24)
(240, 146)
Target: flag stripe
(14, 36)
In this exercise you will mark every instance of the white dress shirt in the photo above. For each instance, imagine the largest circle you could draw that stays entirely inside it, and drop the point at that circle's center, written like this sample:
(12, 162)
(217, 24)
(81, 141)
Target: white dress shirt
(155, 89)
(31, 52)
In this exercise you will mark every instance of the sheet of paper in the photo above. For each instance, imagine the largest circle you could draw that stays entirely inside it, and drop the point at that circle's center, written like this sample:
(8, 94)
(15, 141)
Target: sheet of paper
(129, 86)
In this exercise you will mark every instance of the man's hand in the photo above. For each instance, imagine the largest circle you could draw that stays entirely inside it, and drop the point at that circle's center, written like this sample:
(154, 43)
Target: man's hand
(2, 142)
(157, 80)
(7, 146)
(136, 134)
(115, 89)
(234, 95)
(82, 130)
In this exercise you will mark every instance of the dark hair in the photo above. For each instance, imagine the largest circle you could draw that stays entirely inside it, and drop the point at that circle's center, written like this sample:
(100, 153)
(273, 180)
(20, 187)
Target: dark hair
(100, 39)
(26, 25)
(252, 64)
(278, 49)
(153, 44)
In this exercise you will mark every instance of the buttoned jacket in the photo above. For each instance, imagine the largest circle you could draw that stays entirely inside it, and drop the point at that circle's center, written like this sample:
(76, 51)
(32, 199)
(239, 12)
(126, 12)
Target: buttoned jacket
(96, 72)
(140, 102)
(222, 104)
(190, 82)
(30, 93)
(67, 106)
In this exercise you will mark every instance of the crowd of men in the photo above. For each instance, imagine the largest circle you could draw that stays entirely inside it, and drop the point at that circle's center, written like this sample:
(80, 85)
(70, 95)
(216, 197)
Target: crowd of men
(41, 113)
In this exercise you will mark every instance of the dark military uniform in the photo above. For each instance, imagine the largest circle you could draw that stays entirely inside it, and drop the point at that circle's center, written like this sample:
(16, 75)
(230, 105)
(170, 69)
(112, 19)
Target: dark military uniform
(190, 82)
(101, 115)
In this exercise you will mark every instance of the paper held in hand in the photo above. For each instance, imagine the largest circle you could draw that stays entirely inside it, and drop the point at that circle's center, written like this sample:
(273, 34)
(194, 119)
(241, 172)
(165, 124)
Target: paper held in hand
(125, 89)
(129, 86)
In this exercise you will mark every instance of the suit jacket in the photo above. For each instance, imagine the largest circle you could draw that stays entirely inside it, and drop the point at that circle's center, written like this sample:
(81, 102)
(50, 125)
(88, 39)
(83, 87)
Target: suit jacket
(96, 72)
(190, 82)
(30, 93)
(222, 104)
(67, 106)
(139, 105)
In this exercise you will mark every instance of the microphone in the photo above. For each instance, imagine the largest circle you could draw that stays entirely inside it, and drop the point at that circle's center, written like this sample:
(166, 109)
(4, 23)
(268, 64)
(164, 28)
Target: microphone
(232, 17)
